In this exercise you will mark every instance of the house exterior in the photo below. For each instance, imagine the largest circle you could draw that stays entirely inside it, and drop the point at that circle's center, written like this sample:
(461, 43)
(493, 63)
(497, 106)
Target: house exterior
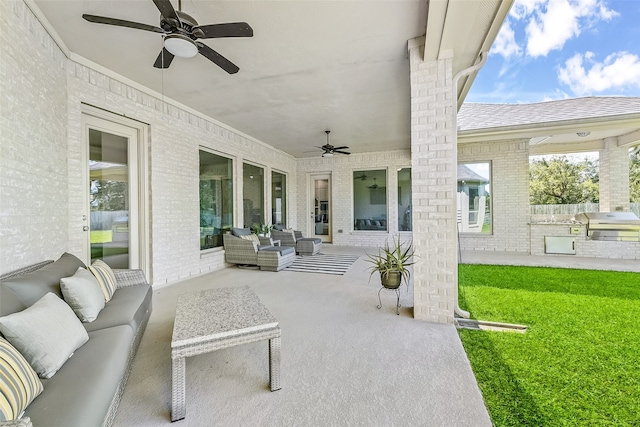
(506, 135)
(54, 101)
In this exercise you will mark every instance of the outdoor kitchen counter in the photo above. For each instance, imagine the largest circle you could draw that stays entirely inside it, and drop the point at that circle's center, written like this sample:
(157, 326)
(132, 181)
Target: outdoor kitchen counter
(583, 247)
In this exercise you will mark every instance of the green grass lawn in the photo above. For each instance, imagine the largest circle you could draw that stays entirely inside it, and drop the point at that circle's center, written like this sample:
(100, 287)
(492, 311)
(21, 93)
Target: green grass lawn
(101, 236)
(579, 362)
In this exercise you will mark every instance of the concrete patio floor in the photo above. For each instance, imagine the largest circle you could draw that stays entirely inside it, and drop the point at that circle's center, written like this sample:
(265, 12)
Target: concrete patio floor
(344, 362)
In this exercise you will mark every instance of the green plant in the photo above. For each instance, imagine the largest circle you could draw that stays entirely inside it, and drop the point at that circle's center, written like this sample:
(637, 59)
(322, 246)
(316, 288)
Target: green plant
(392, 258)
(261, 228)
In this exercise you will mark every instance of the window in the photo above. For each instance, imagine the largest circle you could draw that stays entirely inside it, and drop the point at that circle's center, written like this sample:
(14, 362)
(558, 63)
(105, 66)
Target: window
(278, 198)
(474, 192)
(404, 199)
(253, 195)
(370, 200)
(216, 198)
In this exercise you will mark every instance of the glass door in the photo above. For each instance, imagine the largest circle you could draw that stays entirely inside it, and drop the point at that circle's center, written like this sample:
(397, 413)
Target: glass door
(112, 183)
(321, 207)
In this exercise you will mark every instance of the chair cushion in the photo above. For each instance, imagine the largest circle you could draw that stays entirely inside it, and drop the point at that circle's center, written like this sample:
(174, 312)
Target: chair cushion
(310, 239)
(83, 294)
(282, 249)
(240, 231)
(19, 383)
(105, 277)
(46, 334)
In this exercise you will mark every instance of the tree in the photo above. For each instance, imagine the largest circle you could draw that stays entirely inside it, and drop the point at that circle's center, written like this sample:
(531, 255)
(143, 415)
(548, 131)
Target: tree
(108, 195)
(558, 180)
(634, 175)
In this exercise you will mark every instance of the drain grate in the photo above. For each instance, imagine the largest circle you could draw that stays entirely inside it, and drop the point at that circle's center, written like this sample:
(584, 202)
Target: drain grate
(483, 325)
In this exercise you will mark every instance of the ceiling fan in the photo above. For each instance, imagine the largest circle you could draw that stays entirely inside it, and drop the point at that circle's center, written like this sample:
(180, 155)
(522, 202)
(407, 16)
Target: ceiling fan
(330, 150)
(181, 33)
(374, 186)
(362, 177)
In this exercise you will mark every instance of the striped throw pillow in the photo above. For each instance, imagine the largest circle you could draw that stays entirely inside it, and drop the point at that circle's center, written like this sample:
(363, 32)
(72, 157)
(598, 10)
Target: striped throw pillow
(105, 277)
(19, 383)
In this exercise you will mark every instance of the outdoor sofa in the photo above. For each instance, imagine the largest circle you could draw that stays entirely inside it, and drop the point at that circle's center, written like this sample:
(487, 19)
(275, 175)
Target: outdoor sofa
(243, 248)
(86, 389)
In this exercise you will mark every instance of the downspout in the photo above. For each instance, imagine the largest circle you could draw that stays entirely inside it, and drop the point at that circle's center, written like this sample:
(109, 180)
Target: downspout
(483, 59)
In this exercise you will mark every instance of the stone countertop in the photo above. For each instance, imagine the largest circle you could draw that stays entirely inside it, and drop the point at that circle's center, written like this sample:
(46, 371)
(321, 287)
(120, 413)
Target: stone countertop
(219, 313)
(563, 223)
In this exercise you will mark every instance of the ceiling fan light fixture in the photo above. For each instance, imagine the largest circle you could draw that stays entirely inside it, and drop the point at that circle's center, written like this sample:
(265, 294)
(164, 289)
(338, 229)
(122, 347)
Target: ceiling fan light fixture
(327, 154)
(180, 46)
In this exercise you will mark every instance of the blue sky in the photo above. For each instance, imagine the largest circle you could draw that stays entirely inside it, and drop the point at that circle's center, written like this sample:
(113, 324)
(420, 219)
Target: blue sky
(557, 49)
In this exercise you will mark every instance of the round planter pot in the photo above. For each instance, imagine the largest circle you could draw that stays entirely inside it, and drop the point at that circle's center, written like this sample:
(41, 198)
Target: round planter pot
(391, 280)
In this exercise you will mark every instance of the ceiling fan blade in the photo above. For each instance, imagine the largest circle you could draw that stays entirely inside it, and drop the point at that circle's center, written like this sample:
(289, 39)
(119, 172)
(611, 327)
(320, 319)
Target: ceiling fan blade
(217, 59)
(341, 152)
(232, 29)
(167, 10)
(164, 59)
(122, 23)
(340, 148)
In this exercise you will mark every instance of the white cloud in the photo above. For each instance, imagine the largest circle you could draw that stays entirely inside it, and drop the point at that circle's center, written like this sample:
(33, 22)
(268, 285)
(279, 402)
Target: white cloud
(617, 71)
(505, 43)
(551, 23)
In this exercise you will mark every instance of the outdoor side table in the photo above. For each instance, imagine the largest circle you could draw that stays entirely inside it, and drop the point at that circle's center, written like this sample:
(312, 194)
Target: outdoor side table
(214, 319)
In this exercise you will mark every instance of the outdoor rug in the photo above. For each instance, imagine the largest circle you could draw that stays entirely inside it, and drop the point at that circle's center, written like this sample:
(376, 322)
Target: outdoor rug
(323, 264)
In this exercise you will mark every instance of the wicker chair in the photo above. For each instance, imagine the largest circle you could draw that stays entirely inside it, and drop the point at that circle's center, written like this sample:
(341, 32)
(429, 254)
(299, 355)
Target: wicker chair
(247, 252)
(294, 239)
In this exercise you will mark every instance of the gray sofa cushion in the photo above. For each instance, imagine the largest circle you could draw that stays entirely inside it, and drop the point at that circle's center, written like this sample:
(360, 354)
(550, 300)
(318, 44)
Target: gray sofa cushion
(9, 302)
(33, 286)
(128, 306)
(80, 393)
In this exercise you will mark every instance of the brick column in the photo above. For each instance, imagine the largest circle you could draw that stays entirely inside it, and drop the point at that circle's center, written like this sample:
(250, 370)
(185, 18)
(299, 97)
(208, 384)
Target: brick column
(434, 169)
(614, 177)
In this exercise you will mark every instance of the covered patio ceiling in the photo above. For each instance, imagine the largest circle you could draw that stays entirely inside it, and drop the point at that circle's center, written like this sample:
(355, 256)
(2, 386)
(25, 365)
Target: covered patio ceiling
(311, 66)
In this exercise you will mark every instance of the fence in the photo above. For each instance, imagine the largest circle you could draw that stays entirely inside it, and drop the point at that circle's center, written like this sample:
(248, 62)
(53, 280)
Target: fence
(573, 209)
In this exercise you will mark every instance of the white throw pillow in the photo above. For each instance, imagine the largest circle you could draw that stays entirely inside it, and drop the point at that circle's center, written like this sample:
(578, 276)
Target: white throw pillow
(46, 334)
(83, 294)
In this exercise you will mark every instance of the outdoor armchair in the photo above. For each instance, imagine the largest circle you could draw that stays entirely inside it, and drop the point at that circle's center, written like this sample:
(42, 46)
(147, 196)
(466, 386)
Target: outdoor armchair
(249, 250)
(294, 239)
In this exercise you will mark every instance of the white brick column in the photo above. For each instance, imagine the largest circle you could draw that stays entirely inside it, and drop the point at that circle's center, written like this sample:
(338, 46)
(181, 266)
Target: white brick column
(614, 177)
(434, 168)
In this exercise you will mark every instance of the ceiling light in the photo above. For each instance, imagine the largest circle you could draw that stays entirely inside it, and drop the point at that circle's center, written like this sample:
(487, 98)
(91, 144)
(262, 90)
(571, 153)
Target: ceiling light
(327, 154)
(583, 134)
(180, 46)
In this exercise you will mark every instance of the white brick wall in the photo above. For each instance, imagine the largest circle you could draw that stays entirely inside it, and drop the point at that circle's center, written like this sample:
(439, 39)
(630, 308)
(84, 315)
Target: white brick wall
(509, 195)
(33, 158)
(341, 169)
(175, 138)
(434, 165)
(42, 189)
(614, 177)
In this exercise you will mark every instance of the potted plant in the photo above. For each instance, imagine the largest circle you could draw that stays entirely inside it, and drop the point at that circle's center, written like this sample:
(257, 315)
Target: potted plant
(263, 230)
(392, 262)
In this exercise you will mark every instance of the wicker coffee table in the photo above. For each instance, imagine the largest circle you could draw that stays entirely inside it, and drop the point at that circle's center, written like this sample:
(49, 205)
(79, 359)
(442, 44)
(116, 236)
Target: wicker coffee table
(213, 319)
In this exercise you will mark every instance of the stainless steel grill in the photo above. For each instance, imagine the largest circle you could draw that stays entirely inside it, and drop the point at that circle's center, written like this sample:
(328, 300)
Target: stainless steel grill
(621, 226)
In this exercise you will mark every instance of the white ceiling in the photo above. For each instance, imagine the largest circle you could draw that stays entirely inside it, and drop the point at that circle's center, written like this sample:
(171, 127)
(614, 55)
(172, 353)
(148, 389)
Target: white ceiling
(311, 66)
